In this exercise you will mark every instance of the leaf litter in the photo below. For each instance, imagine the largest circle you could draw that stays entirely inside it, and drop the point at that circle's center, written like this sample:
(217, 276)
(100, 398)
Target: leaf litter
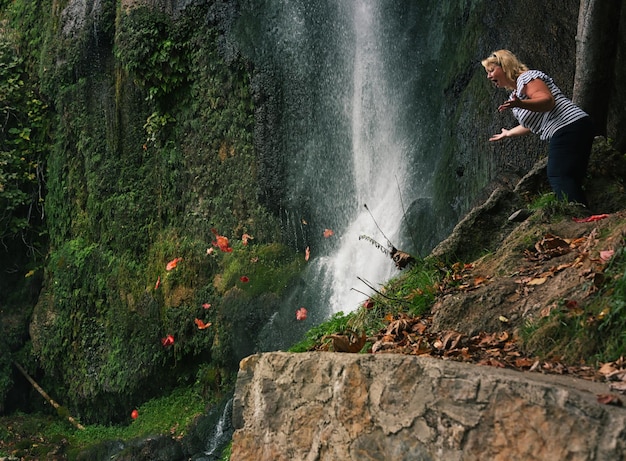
(562, 269)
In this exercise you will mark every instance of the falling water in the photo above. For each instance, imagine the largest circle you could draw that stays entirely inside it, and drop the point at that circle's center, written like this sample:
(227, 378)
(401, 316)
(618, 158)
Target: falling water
(345, 124)
(378, 157)
(222, 433)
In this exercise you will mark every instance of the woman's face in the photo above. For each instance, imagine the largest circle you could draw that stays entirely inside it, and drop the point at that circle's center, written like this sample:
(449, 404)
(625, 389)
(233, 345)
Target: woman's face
(497, 76)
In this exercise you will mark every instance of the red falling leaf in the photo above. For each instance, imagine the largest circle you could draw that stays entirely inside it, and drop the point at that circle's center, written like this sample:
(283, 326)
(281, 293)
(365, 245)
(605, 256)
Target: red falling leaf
(221, 242)
(158, 283)
(301, 314)
(368, 304)
(167, 341)
(134, 414)
(172, 264)
(307, 254)
(245, 238)
(595, 217)
(244, 279)
(206, 306)
(328, 233)
(201, 325)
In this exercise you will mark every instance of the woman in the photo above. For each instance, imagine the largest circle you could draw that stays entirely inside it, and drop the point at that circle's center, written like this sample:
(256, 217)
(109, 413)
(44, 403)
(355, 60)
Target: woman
(541, 108)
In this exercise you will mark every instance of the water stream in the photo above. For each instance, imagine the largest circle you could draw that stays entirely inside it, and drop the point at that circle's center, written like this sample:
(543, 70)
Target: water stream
(345, 127)
(222, 433)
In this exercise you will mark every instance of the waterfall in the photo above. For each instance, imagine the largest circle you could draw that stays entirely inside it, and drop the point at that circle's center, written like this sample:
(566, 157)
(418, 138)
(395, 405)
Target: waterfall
(378, 158)
(222, 432)
(344, 122)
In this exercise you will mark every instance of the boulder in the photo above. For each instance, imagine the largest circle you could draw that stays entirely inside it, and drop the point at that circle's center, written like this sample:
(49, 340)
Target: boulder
(333, 406)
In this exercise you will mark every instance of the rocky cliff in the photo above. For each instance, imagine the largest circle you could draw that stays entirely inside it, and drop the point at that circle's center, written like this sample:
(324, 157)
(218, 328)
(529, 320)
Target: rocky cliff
(331, 406)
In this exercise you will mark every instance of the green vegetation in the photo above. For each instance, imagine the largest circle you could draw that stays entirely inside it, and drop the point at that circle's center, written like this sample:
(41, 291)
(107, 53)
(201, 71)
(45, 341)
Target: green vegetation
(23, 238)
(36, 436)
(412, 293)
(128, 142)
(147, 148)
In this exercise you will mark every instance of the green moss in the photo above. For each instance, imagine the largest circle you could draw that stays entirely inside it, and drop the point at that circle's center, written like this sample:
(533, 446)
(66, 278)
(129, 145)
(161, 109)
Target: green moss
(257, 269)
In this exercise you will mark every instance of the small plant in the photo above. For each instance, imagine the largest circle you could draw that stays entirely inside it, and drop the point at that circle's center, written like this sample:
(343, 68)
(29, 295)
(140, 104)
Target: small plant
(338, 323)
(410, 294)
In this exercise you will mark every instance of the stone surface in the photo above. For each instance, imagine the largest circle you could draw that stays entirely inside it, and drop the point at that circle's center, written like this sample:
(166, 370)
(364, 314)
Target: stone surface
(332, 406)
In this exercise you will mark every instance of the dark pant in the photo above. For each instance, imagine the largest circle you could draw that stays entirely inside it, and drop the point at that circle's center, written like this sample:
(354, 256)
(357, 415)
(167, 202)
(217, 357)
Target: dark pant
(568, 158)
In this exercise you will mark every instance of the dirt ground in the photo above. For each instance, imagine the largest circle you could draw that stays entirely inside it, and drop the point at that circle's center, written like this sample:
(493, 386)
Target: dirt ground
(539, 267)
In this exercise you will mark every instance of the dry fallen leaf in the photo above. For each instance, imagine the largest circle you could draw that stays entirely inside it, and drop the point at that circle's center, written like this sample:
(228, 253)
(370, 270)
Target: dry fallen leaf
(609, 399)
(348, 343)
(607, 368)
(605, 255)
(524, 362)
(618, 386)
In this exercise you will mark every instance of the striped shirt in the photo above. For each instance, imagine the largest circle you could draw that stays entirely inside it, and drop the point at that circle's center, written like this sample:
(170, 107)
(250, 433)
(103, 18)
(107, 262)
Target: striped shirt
(545, 124)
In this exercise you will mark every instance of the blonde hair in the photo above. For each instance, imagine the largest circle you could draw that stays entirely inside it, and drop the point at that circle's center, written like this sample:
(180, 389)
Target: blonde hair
(511, 66)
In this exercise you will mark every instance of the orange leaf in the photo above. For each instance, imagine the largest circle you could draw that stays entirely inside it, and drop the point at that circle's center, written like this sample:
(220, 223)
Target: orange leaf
(307, 254)
(245, 238)
(221, 242)
(201, 325)
(479, 280)
(172, 264)
(524, 362)
(328, 233)
(537, 281)
(607, 368)
(158, 283)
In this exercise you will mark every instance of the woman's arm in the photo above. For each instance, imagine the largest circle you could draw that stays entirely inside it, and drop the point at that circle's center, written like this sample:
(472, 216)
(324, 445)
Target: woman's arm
(519, 130)
(539, 99)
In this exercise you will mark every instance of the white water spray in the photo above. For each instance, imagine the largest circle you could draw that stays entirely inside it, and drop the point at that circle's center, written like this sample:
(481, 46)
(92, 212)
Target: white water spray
(342, 122)
(379, 158)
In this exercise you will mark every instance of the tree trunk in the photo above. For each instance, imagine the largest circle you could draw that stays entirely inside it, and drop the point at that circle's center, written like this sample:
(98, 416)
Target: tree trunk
(596, 47)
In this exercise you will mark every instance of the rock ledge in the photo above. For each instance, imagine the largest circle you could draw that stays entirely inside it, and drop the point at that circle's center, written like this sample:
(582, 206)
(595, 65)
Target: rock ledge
(332, 406)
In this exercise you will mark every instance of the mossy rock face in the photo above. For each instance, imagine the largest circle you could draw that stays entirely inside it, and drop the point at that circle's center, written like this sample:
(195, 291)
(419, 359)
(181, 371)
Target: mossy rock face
(263, 269)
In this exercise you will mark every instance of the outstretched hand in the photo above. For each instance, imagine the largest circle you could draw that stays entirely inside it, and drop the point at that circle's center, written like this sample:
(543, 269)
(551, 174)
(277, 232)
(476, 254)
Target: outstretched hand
(499, 136)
